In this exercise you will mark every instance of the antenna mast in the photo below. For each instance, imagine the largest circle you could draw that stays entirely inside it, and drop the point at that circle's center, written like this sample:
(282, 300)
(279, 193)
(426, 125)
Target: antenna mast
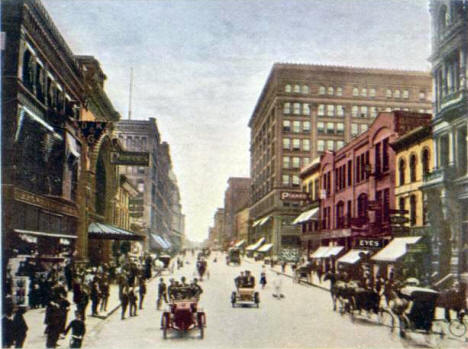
(130, 95)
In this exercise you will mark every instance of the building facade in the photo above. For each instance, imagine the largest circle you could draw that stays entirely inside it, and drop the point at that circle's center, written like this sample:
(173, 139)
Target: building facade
(218, 228)
(242, 226)
(304, 110)
(446, 187)
(236, 198)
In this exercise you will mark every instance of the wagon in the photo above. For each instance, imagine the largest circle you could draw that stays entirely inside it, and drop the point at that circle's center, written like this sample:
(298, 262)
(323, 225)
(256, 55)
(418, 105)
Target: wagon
(183, 316)
(245, 296)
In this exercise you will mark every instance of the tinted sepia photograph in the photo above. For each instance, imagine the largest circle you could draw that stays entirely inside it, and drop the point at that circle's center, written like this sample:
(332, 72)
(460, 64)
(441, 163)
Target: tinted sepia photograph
(235, 174)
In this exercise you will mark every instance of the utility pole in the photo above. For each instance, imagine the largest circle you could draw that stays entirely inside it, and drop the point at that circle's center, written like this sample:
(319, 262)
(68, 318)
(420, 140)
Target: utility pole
(130, 95)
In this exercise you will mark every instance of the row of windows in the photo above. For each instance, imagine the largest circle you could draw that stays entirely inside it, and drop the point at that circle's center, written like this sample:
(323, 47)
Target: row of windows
(330, 127)
(304, 89)
(297, 108)
(331, 145)
(296, 144)
(413, 163)
(294, 162)
(288, 180)
(357, 129)
(297, 126)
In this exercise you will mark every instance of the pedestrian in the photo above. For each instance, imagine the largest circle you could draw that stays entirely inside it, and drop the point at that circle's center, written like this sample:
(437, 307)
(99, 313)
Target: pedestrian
(64, 306)
(53, 321)
(132, 299)
(278, 284)
(68, 272)
(78, 329)
(19, 328)
(263, 280)
(124, 302)
(83, 302)
(94, 295)
(104, 295)
(283, 267)
(141, 291)
(7, 328)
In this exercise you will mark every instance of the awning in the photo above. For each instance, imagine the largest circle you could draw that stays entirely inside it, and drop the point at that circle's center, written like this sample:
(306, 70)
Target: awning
(333, 251)
(40, 233)
(265, 248)
(159, 241)
(261, 221)
(319, 252)
(240, 244)
(72, 146)
(256, 245)
(110, 232)
(396, 249)
(307, 216)
(352, 256)
(168, 242)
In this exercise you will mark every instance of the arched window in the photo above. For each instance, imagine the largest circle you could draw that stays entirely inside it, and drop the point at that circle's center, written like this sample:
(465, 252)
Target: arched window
(287, 88)
(331, 91)
(321, 90)
(297, 89)
(402, 168)
(305, 89)
(28, 69)
(425, 159)
(355, 91)
(413, 166)
(362, 205)
(339, 223)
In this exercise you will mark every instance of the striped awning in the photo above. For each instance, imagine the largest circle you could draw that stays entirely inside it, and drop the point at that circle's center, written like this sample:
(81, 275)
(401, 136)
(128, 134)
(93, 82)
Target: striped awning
(396, 249)
(307, 216)
(261, 221)
(256, 245)
(265, 248)
(352, 256)
(110, 232)
(160, 241)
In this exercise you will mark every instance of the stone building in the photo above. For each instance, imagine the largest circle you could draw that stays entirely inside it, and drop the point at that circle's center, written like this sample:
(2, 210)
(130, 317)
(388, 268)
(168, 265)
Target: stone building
(236, 198)
(218, 228)
(446, 187)
(304, 110)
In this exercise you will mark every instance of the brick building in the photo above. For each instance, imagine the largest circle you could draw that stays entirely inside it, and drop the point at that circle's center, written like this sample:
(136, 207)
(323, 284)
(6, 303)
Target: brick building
(236, 198)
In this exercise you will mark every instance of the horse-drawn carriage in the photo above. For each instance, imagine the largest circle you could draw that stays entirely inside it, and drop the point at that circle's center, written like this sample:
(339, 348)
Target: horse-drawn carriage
(201, 268)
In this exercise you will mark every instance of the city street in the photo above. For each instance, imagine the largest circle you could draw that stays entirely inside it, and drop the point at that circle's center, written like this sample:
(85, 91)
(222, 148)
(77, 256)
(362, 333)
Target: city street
(304, 318)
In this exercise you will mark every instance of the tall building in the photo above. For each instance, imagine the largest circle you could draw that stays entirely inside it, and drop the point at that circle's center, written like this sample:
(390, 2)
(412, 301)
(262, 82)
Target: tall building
(218, 227)
(158, 205)
(304, 110)
(236, 198)
(446, 187)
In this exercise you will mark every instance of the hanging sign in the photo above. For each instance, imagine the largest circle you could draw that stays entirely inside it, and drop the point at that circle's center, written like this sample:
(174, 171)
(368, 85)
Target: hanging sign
(130, 158)
(92, 130)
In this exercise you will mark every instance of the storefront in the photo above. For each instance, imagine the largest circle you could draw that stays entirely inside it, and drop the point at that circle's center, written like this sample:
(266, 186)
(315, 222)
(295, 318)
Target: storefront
(252, 248)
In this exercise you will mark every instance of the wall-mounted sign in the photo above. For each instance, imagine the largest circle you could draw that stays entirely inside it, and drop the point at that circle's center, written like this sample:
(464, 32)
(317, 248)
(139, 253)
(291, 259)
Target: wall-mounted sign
(370, 243)
(399, 219)
(294, 196)
(130, 158)
(403, 212)
(92, 130)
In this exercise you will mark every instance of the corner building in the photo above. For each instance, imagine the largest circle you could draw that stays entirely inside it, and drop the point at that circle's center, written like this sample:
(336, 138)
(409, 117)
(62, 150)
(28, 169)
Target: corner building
(304, 110)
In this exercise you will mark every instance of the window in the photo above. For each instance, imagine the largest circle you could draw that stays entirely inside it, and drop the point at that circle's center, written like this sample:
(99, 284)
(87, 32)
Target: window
(286, 125)
(295, 181)
(401, 203)
(354, 110)
(355, 92)
(330, 110)
(461, 141)
(385, 157)
(339, 110)
(413, 168)
(296, 162)
(340, 128)
(297, 108)
(364, 128)
(363, 111)
(405, 94)
(285, 180)
(339, 91)
(286, 143)
(296, 144)
(320, 127)
(321, 90)
(354, 130)
(305, 89)
(373, 112)
(330, 127)
(339, 145)
(297, 89)
(372, 92)
(388, 94)
(286, 161)
(362, 205)
(320, 145)
(287, 88)
(444, 151)
(330, 145)
(425, 160)
(396, 94)
(402, 170)
(305, 161)
(287, 108)
(422, 95)
(305, 109)
(321, 110)
(296, 126)
(413, 210)
(331, 91)
(388, 109)
(364, 92)
(306, 126)
(305, 144)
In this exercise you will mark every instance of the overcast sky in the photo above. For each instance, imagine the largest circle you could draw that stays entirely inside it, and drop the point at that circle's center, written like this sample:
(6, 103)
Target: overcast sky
(199, 67)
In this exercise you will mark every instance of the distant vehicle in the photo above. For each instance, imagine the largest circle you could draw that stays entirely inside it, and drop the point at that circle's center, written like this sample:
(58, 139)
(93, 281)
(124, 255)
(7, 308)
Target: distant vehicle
(233, 256)
(245, 296)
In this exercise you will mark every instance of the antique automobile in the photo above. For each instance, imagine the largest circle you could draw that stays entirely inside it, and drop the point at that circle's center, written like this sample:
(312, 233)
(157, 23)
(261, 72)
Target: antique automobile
(233, 256)
(415, 313)
(183, 315)
(245, 293)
